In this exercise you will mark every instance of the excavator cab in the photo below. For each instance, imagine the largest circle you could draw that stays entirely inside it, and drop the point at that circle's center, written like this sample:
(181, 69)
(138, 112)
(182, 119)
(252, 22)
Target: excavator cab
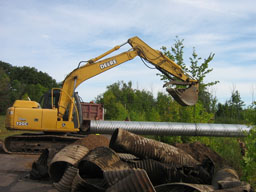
(53, 96)
(46, 100)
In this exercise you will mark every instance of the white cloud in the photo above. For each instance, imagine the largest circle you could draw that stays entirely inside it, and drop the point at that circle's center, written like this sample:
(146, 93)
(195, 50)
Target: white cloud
(232, 78)
(234, 73)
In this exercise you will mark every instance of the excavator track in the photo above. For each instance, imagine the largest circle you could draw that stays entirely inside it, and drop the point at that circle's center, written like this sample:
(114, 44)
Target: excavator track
(35, 143)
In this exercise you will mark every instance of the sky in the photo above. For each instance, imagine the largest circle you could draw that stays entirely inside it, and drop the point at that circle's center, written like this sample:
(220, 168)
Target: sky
(54, 35)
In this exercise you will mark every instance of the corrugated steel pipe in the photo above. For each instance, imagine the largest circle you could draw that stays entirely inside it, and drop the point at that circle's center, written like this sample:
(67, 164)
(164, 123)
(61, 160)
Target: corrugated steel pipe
(90, 184)
(137, 181)
(127, 156)
(64, 185)
(98, 160)
(160, 173)
(227, 178)
(69, 155)
(170, 128)
(39, 167)
(123, 140)
(114, 176)
(183, 187)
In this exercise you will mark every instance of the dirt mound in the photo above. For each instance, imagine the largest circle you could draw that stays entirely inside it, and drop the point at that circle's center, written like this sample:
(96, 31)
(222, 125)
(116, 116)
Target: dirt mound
(200, 152)
(92, 141)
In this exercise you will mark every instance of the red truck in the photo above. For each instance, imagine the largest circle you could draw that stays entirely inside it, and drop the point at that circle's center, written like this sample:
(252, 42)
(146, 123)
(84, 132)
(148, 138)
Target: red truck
(91, 111)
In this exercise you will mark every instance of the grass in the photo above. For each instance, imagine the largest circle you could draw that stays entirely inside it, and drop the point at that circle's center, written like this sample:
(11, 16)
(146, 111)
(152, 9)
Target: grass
(3, 131)
(228, 148)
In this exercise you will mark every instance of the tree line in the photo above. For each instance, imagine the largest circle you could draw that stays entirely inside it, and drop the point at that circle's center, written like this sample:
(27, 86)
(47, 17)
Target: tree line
(22, 82)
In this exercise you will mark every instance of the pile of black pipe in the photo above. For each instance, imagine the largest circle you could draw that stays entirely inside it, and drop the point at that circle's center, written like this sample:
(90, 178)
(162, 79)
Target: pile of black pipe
(133, 163)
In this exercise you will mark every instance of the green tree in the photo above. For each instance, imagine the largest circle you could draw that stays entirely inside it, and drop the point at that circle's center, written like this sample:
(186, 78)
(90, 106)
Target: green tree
(165, 107)
(23, 81)
(138, 105)
(236, 101)
(176, 54)
(197, 70)
(4, 91)
(203, 111)
(250, 114)
(114, 108)
(17, 90)
(232, 111)
(249, 160)
(35, 91)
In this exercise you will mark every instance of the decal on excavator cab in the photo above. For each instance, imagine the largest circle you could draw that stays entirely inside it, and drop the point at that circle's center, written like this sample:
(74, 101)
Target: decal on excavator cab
(22, 123)
(107, 64)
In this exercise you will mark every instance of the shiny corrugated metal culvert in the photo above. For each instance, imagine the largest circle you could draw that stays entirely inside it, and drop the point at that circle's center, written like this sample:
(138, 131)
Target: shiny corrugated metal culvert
(170, 128)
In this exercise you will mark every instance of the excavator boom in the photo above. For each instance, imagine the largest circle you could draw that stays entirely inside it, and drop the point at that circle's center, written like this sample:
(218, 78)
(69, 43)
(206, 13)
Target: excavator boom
(186, 97)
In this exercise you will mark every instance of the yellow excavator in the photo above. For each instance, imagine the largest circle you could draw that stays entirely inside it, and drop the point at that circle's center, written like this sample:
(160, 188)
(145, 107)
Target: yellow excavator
(60, 109)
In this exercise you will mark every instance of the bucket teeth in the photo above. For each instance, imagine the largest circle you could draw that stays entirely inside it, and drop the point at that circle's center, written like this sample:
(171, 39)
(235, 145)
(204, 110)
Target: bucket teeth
(185, 96)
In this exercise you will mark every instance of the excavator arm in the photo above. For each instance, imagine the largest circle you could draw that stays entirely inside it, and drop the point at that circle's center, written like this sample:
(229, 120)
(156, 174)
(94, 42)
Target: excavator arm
(185, 96)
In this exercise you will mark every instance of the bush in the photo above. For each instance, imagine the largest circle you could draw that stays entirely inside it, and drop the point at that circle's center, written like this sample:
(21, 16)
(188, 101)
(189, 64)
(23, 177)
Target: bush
(249, 160)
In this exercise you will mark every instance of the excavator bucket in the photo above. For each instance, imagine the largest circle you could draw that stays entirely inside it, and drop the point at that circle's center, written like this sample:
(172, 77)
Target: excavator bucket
(185, 96)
